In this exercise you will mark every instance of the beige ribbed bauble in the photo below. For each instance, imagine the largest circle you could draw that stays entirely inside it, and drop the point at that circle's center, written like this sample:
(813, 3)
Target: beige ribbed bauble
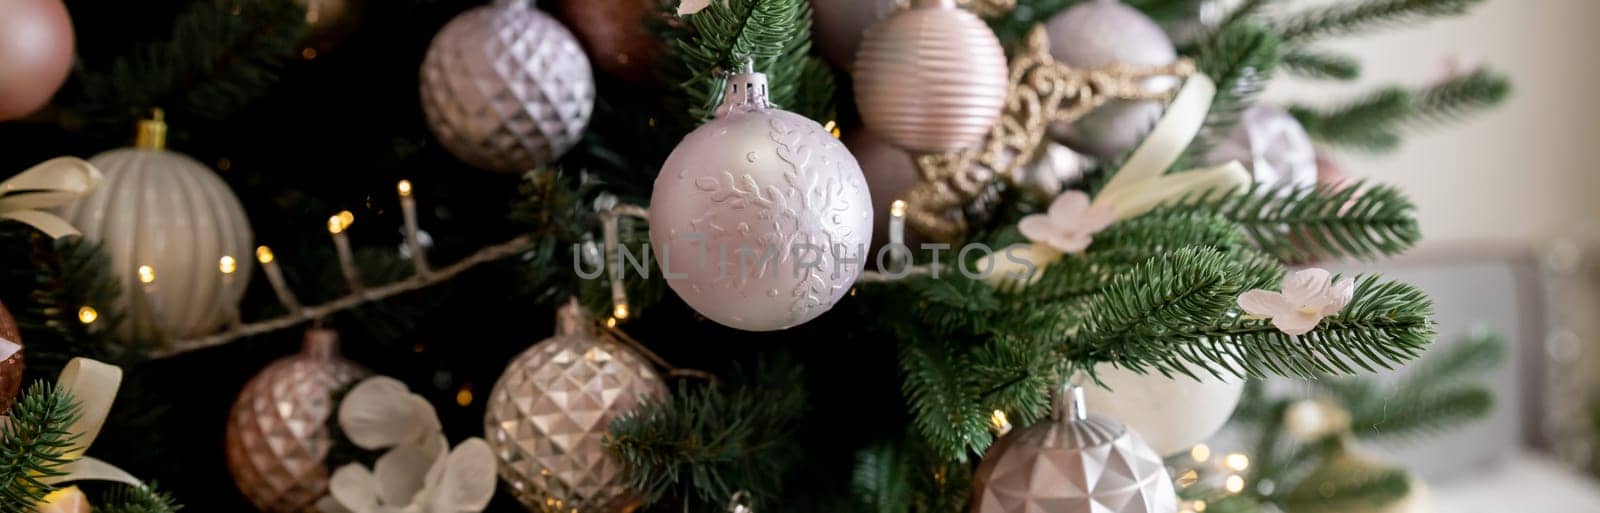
(931, 79)
(277, 436)
(162, 209)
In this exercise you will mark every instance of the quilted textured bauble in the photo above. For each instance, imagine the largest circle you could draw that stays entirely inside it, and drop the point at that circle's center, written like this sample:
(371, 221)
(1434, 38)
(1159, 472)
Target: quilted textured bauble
(162, 209)
(10, 368)
(506, 87)
(1273, 146)
(931, 79)
(277, 436)
(1097, 34)
(548, 414)
(760, 218)
(1072, 462)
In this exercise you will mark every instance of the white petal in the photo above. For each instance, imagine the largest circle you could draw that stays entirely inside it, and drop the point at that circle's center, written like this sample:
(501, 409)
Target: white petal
(1339, 295)
(1037, 227)
(1264, 303)
(468, 481)
(692, 6)
(1071, 242)
(1068, 209)
(1296, 323)
(402, 471)
(1098, 218)
(354, 488)
(1306, 284)
(381, 412)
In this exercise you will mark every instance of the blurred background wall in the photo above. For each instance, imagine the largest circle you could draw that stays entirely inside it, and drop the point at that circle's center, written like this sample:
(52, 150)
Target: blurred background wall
(1521, 173)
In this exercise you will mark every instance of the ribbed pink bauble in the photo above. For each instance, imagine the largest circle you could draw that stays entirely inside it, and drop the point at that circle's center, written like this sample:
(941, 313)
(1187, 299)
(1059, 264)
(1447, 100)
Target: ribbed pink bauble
(931, 79)
(35, 54)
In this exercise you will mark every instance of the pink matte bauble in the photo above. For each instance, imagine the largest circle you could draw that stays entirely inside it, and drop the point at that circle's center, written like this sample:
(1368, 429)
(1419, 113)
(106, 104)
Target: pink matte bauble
(1097, 34)
(890, 172)
(35, 54)
(837, 26)
(931, 79)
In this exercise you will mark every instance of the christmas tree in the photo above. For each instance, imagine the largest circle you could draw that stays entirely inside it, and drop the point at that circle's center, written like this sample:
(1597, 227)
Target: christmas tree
(836, 255)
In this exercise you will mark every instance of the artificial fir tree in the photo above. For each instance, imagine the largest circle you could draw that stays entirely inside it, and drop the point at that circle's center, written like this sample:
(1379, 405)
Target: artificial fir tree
(883, 404)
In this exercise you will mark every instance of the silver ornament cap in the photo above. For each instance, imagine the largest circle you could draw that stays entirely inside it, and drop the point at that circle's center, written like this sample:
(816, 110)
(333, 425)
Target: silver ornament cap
(1073, 462)
(760, 218)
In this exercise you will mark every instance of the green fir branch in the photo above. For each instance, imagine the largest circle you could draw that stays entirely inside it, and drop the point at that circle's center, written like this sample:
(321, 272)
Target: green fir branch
(1241, 60)
(904, 476)
(707, 441)
(34, 445)
(1456, 364)
(1368, 123)
(143, 499)
(1299, 223)
(1386, 324)
(52, 280)
(1324, 65)
(1459, 97)
(945, 407)
(776, 34)
(1345, 18)
(1348, 490)
(1189, 287)
(220, 56)
(1416, 413)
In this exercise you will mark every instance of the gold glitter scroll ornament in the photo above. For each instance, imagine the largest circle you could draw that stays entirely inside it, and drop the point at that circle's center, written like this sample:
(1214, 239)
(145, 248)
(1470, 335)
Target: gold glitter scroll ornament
(167, 223)
(1072, 462)
(931, 78)
(1042, 92)
(277, 435)
(548, 414)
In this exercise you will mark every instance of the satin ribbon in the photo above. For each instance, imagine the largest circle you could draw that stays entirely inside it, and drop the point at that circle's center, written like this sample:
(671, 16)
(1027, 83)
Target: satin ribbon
(54, 183)
(1142, 183)
(94, 385)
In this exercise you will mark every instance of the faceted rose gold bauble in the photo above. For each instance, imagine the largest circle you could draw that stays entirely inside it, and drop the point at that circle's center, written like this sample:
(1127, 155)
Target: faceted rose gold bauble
(931, 79)
(548, 417)
(277, 435)
(506, 87)
(35, 54)
(890, 172)
(760, 218)
(1099, 33)
(1072, 462)
(11, 368)
(837, 26)
(616, 33)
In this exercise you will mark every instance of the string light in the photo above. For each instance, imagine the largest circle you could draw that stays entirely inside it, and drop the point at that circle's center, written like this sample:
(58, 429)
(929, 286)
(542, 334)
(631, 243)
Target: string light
(464, 395)
(620, 312)
(1200, 453)
(264, 254)
(87, 315)
(404, 187)
(227, 264)
(611, 322)
(1234, 484)
(347, 217)
(147, 274)
(832, 128)
(1199, 506)
(336, 225)
(1236, 461)
(308, 53)
(999, 423)
(898, 208)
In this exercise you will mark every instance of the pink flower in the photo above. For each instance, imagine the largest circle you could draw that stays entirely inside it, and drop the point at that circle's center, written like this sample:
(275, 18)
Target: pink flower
(1307, 297)
(1070, 224)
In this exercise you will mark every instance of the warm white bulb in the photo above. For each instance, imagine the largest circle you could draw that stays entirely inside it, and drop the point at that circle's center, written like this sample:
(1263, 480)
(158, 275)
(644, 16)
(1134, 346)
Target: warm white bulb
(404, 187)
(227, 264)
(1200, 453)
(1234, 484)
(1236, 461)
(147, 274)
(898, 208)
(88, 315)
(264, 254)
(336, 225)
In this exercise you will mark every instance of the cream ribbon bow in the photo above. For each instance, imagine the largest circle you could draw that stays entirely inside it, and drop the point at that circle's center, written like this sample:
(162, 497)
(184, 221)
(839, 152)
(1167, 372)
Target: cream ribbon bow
(94, 385)
(54, 183)
(1142, 183)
